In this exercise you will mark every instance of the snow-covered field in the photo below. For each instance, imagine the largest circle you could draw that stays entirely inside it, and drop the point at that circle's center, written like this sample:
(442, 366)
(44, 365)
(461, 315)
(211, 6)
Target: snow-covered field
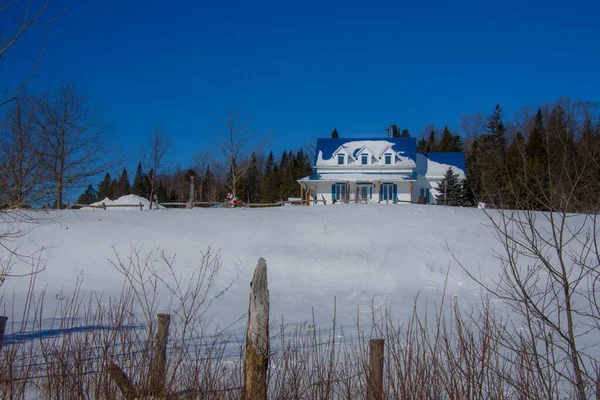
(363, 255)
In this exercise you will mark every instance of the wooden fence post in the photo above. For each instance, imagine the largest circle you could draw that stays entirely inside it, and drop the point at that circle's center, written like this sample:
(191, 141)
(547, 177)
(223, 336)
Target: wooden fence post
(3, 320)
(257, 336)
(375, 378)
(159, 363)
(122, 381)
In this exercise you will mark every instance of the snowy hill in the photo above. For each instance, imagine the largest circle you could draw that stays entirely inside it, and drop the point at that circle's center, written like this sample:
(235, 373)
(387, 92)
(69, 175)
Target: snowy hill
(361, 254)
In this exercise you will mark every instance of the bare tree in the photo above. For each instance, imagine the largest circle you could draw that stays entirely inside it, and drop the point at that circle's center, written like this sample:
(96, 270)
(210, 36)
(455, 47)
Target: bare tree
(153, 153)
(20, 162)
(235, 142)
(472, 126)
(28, 16)
(77, 143)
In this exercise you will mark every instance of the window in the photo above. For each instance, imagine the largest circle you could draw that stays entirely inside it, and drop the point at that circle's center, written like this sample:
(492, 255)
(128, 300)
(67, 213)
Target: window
(364, 159)
(388, 159)
(340, 159)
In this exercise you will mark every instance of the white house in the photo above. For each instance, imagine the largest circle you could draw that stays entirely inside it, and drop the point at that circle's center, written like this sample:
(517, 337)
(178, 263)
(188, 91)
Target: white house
(387, 170)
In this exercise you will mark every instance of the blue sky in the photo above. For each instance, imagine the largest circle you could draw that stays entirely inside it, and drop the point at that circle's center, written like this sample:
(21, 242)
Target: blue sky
(300, 69)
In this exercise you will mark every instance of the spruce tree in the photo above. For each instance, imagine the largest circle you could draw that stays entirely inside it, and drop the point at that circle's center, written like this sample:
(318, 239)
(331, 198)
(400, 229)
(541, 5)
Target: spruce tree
(422, 146)
(334, 134)
(105, 189)
(405, 133)
(515, 195)
(252, 187)
(449, 142)
(432, 145)
(123, 187)
(270, 189)
(139, 187)
(449, 190)
(89, 196)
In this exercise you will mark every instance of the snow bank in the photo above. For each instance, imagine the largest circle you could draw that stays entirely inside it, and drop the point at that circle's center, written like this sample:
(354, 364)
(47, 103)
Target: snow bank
(127, 201)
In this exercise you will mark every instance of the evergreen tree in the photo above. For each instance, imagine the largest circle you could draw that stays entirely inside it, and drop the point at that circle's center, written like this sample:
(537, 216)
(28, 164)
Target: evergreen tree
(405, 133)
(514, 164)
(395, 131)
(161, 193)
(122, 186)
(449, 142)
(534, 148)
(89, 196)
(496, 129)
(140, 183)
(334, 134)
(252, 187)
(450, 190)
(432, 145)
(494, 179)
(270, 189)
(105, 188)
(422, 146)
(468, 197)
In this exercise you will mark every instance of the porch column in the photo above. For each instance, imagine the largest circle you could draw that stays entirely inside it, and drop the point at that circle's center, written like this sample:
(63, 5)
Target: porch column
(411, 195)
(378, 192)
(301, 193)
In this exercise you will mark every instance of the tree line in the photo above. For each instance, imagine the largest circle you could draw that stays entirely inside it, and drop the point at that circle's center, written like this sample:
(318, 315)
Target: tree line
(54, 143)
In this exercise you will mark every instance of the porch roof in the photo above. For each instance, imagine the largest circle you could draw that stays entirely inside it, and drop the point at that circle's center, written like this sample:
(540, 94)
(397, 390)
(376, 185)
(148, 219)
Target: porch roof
(357, 178)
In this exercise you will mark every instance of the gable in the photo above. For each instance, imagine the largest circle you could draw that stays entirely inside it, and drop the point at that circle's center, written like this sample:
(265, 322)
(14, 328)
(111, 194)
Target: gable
(327, 148)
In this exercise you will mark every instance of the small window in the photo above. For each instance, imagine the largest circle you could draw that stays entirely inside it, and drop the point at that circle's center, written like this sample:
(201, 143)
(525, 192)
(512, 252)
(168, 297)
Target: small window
(364, 159)
(340, 159)
(388, 159)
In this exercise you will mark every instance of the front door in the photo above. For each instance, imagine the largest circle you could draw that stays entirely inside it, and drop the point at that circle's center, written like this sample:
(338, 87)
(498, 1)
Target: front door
(363, 192)
(387, 192)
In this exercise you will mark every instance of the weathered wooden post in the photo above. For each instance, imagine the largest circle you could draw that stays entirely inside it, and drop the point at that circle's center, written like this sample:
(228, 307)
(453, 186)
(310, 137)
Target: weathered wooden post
(3, 320)
(375, 379)
(257, 336)
(122, 381)
(159, 363)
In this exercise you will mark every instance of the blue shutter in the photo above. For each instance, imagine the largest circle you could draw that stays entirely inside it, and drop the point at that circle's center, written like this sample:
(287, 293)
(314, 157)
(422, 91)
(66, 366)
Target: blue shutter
(380, 192)
(333, 192)
(370, 192)
(395, 194)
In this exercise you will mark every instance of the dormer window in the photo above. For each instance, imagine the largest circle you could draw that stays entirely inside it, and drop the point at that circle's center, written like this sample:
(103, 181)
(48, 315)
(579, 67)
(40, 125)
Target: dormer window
(388, 159)
(364, 159)
(340, 159)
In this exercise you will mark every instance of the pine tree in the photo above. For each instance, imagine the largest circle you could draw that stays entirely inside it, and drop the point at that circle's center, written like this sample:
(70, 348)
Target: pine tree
(515, 195)
(89, 196)
(123, 187)
(252, 187)
(140, 183)
(270, 189)
(450, 190)
(334, 134)
(422, 146)
(449, 142)
(105, 189)
(405, 133)
(432, 145)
